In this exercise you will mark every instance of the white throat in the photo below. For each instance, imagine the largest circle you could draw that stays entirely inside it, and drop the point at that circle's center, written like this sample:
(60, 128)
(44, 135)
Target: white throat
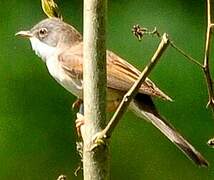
(41, 49)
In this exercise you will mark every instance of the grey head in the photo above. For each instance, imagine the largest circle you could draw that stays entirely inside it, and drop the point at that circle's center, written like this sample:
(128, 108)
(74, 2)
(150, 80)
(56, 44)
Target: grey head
(49, 34)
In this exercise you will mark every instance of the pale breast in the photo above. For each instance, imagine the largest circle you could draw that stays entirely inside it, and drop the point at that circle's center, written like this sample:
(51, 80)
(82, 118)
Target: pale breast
(72, 85)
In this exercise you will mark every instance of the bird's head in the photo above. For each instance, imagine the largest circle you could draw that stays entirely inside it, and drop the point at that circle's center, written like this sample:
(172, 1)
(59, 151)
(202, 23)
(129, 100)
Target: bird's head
(50, 35)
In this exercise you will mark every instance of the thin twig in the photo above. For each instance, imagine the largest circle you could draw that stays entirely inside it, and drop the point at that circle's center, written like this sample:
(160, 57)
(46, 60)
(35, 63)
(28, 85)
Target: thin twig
(139, 32)
(185, 54)
(206, 65)
(105, 133)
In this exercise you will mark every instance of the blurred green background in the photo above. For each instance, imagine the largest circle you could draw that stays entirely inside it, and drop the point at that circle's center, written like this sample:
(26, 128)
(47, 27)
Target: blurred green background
(37, 134)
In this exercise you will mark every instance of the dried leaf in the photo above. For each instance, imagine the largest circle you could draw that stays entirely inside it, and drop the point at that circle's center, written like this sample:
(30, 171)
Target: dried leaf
(50, 8)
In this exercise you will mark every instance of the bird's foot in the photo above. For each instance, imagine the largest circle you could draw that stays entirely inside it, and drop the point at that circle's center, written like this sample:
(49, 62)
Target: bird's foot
(77, 103)
(79, 122)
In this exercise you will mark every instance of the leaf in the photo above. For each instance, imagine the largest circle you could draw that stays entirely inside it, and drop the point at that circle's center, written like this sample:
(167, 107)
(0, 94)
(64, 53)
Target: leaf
(50, 8)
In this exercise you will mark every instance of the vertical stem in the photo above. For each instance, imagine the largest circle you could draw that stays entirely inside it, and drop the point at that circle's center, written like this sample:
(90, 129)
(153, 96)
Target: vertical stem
(206, 65)
(95, 162)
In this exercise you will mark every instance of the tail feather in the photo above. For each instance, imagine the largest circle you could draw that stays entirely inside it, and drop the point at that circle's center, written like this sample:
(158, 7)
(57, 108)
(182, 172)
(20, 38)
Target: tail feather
(146, 110)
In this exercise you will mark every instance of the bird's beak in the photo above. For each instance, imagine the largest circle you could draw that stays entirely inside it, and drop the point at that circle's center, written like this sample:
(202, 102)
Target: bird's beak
(25, 34)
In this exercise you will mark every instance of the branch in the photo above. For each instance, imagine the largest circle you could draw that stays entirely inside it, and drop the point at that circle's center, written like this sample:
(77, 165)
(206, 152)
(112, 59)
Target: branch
(191, 59)
(105, 133)
(206, 66)
(95, 163)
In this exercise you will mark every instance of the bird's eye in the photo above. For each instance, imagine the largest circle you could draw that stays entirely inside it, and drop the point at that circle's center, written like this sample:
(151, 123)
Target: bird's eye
(43, 32)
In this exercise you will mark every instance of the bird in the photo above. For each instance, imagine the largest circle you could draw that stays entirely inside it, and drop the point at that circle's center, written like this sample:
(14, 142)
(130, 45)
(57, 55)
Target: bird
(60, 46)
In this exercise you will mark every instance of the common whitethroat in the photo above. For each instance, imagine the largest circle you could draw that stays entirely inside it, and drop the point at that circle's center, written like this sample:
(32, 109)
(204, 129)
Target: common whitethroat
(60, 46)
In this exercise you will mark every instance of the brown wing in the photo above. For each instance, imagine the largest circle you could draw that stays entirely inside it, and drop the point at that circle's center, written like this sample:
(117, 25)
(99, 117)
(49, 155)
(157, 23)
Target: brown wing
(120, 74)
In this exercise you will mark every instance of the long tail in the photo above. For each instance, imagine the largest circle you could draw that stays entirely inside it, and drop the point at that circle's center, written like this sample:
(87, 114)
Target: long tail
(143, 106)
